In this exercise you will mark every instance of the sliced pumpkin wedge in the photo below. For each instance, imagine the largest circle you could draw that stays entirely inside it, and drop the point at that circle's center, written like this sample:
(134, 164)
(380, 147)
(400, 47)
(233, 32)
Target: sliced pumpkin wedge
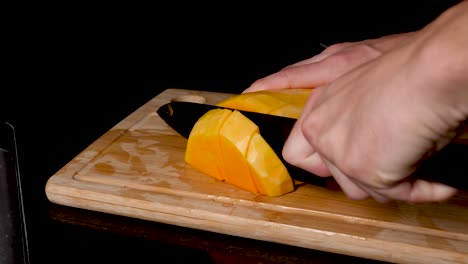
(235, 138)
(282, 102)
(269, 173)
(228, 146)
(259, 102)
(203, 150)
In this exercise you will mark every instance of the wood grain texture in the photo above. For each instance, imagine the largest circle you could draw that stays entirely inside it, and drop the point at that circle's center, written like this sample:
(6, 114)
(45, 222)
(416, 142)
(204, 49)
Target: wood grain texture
(137, 169)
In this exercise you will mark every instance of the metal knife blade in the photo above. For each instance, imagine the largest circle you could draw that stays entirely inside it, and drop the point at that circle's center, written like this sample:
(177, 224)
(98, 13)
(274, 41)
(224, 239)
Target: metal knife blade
(448, 166)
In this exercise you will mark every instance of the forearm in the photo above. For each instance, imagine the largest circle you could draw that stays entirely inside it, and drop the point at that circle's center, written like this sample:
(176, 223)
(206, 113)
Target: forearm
(446, 52)
(438, 71)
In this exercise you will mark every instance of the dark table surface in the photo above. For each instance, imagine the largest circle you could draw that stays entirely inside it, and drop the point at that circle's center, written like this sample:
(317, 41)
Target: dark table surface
(75, 75)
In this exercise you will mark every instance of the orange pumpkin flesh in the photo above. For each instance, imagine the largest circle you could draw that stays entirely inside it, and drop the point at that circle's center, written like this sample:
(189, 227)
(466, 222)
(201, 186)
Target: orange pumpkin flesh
(235, 152)
(228, 146)
(269, 173)
(203, 150)
(234, 141)
(282, 102)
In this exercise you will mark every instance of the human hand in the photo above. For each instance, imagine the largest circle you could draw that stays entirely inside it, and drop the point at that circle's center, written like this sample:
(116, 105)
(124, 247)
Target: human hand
(330, 64)
(380, 107)
(371, 127)
(369, 140)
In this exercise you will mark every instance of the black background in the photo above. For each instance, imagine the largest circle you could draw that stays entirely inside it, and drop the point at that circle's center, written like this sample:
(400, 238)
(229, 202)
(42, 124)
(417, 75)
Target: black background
(72, 72)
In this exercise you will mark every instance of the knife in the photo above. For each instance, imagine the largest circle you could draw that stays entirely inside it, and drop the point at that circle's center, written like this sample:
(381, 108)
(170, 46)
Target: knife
(448, 166)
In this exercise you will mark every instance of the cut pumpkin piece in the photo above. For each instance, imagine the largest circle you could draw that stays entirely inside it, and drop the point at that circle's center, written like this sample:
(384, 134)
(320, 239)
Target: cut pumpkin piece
(227, 145)
(289, 110)
(203, 150)
(234, 141)
(268, 171)
(261, 101)
(283, 102)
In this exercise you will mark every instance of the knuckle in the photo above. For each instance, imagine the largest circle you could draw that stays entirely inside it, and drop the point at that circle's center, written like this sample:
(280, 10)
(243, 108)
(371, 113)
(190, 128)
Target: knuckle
(369, 50)
(341, 60)
(337, 47)
(354, 55)
(311, 130)
(284, 75)
(352, 168)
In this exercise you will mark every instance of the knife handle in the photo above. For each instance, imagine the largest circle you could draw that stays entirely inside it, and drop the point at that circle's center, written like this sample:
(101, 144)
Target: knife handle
(449, 166)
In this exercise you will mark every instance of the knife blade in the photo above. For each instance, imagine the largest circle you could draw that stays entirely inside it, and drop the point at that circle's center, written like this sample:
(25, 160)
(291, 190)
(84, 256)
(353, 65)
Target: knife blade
(182, 116)
(448, 166)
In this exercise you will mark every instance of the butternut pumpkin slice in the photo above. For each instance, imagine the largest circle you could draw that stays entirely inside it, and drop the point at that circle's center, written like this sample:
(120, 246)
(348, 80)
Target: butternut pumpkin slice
(234, 141)
(203, 150)
(268, 171)
(227, 145)
(282, 102)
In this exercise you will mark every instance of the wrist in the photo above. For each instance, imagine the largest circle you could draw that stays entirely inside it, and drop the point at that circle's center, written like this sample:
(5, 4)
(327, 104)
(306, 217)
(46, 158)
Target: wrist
(443, 58)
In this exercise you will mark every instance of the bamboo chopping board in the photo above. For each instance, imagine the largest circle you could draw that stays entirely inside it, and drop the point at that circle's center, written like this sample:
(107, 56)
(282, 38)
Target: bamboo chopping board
(137, 169)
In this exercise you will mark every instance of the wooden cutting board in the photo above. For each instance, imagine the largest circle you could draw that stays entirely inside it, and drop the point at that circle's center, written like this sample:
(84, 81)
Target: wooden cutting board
(137, 169)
